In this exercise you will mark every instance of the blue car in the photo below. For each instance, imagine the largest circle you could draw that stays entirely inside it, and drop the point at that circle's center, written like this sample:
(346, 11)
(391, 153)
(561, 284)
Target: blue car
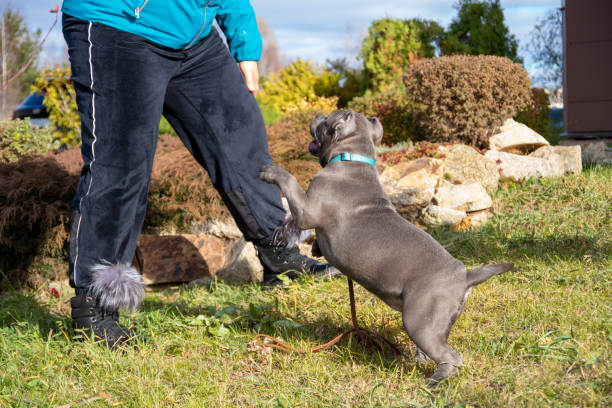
(32, 107)
(556, 115)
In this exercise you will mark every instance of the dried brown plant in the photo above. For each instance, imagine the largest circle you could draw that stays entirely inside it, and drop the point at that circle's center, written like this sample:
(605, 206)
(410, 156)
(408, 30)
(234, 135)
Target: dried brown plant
(466, 98)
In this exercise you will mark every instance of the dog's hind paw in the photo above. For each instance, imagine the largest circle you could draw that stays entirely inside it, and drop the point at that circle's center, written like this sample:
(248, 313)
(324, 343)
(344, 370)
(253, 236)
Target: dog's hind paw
(443, 371)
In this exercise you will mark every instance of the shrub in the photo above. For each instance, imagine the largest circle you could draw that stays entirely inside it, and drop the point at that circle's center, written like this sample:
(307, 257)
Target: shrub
(390, 47)
(35, 207)
(297, 81)
(537, 116)
(350, 81)
(18, 138)
(465, 98)
(60, 100)
(393, 110)
(304, 110)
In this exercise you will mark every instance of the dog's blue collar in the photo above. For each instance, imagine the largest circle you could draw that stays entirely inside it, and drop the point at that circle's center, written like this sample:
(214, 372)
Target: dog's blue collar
(353, 157)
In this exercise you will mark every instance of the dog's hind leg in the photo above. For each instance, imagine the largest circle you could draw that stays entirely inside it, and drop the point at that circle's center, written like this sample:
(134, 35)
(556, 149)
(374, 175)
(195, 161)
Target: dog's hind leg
(430, 334)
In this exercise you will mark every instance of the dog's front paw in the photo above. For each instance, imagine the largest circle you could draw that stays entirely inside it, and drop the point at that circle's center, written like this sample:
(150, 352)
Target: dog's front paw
(272, 174)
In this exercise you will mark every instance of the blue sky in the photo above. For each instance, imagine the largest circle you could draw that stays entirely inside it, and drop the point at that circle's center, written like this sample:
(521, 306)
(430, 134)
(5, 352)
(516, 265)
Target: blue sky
(318, 29)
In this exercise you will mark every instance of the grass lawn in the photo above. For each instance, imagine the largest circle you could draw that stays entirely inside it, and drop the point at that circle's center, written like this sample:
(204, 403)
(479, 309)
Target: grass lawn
(538, 336)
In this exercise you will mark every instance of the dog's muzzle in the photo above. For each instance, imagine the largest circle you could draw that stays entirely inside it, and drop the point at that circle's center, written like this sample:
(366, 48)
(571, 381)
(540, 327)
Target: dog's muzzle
(313, 148)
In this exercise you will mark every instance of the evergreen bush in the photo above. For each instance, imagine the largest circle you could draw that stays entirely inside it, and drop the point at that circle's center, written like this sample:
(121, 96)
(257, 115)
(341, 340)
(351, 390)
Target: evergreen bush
(391, 46)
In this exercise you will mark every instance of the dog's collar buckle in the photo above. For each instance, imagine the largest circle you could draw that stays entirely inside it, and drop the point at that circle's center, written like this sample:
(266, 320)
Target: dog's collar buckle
(353, 157)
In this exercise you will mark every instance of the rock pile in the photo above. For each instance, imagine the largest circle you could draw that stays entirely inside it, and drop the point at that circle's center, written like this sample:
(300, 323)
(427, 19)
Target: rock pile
(441, 191)
(447, 191)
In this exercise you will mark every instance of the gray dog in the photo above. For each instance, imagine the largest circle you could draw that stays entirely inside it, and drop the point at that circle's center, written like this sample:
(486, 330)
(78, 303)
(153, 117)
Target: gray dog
(359, 232)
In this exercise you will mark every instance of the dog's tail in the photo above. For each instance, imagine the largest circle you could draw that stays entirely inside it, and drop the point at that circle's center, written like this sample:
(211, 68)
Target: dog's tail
(476, 276)
(288, 234)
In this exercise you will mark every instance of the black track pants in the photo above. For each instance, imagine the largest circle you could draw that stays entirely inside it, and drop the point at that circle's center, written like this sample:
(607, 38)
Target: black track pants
(123, 84)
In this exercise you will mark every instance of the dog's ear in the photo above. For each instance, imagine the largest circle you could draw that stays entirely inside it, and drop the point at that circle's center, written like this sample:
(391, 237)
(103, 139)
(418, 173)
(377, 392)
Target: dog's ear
(344, 124)
(315, 122)
(377, 130)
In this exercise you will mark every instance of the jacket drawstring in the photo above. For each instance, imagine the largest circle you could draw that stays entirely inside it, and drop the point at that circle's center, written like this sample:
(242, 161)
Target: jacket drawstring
(137, 10)
(201, 29)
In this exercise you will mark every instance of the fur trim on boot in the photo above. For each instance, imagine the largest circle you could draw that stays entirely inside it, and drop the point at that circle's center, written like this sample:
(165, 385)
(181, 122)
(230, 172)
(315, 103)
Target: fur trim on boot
(116, 287)
(288, 234)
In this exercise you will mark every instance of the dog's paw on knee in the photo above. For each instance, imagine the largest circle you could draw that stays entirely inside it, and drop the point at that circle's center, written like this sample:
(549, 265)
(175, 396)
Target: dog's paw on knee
(268, 174)
(273, 174)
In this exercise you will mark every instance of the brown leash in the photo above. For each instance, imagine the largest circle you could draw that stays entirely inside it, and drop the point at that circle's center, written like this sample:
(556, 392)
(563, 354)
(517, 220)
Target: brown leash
(363, 333)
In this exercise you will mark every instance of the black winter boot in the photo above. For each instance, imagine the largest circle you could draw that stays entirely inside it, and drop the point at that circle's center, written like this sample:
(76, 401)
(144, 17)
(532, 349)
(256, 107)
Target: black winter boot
(97, 322)
(279, 259)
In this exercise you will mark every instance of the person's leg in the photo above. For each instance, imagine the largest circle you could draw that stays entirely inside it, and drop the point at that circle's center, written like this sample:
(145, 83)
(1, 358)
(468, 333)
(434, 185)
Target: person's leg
(219, 121)
(120, 87)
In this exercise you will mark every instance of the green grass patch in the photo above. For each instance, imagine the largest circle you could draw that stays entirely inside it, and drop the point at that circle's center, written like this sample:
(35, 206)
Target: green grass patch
(537, 336)
(165, 127)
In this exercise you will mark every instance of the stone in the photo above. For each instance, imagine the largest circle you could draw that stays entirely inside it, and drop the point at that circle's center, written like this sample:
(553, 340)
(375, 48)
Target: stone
(480, 218)
(465, 165)
(411, 185)
(243, 264)
(520, 167)
(436, 215)
(597, 153)
(570, 156)
(221, 228)
(463, 197)
(516, 136)
(179, 258)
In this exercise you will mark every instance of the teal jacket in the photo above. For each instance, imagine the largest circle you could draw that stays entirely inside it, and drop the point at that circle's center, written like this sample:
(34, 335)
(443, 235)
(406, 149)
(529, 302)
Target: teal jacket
(177, 24)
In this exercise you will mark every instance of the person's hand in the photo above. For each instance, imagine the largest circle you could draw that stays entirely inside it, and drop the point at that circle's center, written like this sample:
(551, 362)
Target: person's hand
(251, 75)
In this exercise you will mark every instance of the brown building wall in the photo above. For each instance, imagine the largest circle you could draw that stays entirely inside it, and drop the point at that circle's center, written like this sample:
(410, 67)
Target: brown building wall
(587, 84)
